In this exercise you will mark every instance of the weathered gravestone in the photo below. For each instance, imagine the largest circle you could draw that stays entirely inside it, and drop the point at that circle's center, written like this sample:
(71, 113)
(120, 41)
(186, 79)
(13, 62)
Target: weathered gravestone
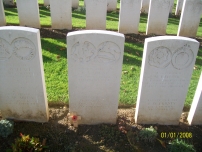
(75, 3)
(22, 89)
(158, 16)
(9, 2)
(190, 18)
(94, 70)
(166, 71)
(111, 5)
(179, 7)
(28, 12)
(129, 16)
(195, 113)
(61, 14)
(145, 6)
(96, 11)
(2, 15)
(46, 2)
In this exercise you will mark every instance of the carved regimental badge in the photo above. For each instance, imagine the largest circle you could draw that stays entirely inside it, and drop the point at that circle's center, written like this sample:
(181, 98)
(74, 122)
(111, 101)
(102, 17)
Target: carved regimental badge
(23, 49)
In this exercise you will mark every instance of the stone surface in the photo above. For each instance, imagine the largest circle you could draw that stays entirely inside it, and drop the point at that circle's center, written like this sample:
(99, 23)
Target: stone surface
(28, 12)
(61, 14)
(195, 113)
(75, 3)
(166, 71)
(111, 5)
(145, 6)
(9, 2)
(94, 70)
(46, 2)
(158, 16)
(96, 11)
(2, 15)
(129, 23)
(190, 18)
(22, 89)
(178, 9)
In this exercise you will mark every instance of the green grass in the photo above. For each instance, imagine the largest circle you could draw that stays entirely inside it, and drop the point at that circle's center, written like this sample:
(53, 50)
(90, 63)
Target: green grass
(55, 60)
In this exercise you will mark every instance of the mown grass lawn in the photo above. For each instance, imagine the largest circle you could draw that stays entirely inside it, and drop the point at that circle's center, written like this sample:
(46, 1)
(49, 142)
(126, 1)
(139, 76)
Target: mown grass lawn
(55, 56)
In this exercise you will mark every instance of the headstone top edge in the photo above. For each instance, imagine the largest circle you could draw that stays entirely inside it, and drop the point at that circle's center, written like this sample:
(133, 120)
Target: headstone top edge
(19, 28)
(95, 32)
(161, 38)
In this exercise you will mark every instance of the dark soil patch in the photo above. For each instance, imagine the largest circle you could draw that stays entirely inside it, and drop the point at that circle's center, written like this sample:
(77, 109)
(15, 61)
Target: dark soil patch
(62, 137)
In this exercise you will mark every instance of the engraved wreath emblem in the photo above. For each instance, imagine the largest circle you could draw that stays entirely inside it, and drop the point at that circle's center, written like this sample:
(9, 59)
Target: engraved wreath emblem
(161, 57)
(22, 48)
(105, 52)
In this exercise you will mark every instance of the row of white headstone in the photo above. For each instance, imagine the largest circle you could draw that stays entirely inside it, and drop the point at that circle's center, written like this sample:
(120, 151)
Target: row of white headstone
(95, 60)
(96, 11)
(145, 4)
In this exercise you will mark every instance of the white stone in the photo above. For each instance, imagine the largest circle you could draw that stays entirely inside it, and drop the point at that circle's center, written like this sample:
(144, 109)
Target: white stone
(111, 5)
(166, 71)
(61, 14)
(129, 23)
(190, 18)
(28, 12)
(195, 113)
(179, 7)
(46, 2)
(96, 12)
(145, 6)
(158, 16)
(94, 69)
(22, 89)
(75, 3)
(9, 2)
(2, 15)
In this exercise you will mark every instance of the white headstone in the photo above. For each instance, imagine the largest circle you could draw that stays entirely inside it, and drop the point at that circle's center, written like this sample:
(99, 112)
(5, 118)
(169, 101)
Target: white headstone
(195, 113)
(46, 2)
(190, 18)
(166, 71)
(129, 23)
(9, 2)
(158, 16)
(94, 70)
(111, 5)
(96, 12)
(2, 15)
(179, 7)
(145, 6)
(28, 12)
(61, 14)
(22, 89)
(75, 3)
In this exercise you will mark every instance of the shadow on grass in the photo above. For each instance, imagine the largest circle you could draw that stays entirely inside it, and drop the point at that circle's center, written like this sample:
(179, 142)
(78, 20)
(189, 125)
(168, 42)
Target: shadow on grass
(133, 54)
(79, 15)
(11, 12)
(54, 48)
(44, 12)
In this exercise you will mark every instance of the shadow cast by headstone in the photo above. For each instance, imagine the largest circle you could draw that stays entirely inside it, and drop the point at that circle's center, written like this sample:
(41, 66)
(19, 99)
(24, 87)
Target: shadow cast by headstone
(43, 11)
(113, 16)
(199, 58)
(54, 48)
(79, 15)
(133, 56)
(11, 12)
